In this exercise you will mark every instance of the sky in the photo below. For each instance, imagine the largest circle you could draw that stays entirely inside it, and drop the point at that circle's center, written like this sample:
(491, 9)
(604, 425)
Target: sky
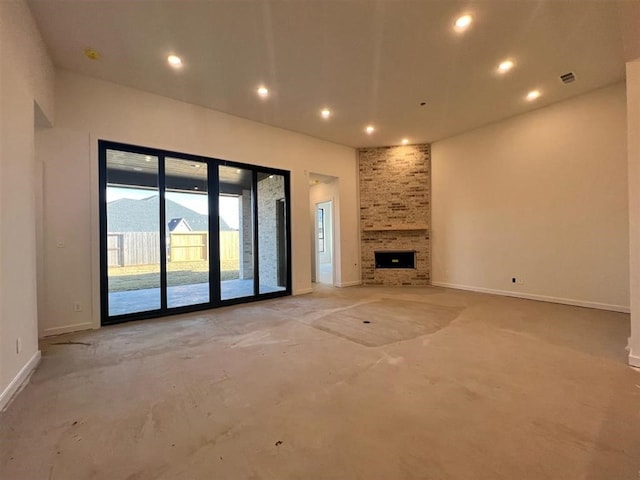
(195, 201)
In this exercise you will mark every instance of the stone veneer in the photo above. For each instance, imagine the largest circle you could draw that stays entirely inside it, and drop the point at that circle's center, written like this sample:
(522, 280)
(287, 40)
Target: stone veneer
(395, 210)
(246, 235)
(270, 190)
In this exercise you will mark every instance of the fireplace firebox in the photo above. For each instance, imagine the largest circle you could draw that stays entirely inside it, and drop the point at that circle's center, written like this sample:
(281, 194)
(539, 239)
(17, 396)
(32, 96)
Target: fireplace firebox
(396, 259)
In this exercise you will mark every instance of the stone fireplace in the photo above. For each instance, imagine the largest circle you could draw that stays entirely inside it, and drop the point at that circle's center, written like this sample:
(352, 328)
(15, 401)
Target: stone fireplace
(395, 211)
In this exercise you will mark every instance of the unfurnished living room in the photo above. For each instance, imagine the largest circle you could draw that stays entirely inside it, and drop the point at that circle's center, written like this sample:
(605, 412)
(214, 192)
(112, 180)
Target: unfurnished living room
(360, 239)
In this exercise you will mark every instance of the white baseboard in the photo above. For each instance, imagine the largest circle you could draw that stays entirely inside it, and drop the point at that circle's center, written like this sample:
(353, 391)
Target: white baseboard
(349, 284)
(634, 360)
(540, 298)
(49, 332)
(19, 380)
(303, 291)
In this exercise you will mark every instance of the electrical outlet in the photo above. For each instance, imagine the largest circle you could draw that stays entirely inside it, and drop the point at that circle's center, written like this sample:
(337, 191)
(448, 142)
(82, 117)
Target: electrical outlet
(77, 307)
(517, 281)
(18, 345)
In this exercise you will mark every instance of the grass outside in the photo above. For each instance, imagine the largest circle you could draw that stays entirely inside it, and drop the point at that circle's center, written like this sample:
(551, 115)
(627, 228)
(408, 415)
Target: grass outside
(137, 277)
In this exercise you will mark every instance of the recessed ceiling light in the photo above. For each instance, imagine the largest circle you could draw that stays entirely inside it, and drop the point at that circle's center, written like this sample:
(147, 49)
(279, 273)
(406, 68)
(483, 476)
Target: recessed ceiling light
(263, 91)
(195, 188)
(325, 113)
(196, 165)
(505, 66)
(370, 129)
(147, 158)
(463, 22)
(270, 176)
(405, 141)
(137, 169)
(238, 170)
(175, 61)
(533, 94)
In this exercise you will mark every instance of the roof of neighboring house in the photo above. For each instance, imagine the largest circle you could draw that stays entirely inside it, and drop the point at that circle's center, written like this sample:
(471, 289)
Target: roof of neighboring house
(129, 215)
(176, 222)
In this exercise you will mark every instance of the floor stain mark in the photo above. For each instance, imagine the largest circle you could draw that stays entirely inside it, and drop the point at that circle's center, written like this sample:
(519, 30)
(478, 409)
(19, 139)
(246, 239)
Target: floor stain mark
(86, 344)
(395, 320)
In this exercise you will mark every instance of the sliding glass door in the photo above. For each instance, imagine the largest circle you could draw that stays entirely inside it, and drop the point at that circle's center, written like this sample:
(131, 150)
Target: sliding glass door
(182, 232)
(236, 232)
(272, 239)
(186, 202)
(132, 234)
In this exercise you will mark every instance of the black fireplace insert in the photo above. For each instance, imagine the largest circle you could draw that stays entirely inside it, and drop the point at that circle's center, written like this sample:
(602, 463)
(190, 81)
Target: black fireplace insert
(396, 259)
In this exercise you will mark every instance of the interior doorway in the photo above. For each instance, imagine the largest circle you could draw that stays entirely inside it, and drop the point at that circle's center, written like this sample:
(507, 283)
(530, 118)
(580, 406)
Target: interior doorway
(324, 242)
(324, 234)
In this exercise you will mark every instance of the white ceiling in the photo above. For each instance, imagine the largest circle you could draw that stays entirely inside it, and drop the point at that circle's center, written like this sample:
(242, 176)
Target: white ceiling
(369, 61)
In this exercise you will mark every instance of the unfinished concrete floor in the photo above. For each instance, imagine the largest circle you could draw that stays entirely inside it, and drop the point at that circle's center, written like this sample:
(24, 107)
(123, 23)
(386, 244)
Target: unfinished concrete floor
(441, 384)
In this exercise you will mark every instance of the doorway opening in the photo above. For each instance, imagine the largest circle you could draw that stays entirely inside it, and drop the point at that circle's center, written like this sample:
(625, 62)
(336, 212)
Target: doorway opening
(324, 210)
(324, 243)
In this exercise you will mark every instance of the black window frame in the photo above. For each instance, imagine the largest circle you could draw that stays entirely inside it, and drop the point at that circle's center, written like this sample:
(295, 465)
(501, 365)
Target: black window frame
(213, 165)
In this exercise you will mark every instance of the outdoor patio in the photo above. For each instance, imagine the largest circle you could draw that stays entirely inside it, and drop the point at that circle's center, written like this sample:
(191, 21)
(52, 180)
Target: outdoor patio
(132, 301)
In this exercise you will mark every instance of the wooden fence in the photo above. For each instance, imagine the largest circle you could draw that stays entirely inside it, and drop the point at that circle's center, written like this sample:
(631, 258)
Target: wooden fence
(143, 248)
(230, 245)
(133, 248)
(188, 247)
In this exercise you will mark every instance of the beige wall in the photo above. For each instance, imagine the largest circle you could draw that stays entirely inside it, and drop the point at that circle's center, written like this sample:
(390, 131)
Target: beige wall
(26, 79)
(541, 197)
(89, 109)
(633, 141)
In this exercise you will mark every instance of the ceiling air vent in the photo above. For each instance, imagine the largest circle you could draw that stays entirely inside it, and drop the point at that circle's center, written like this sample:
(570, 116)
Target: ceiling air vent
(568, 77)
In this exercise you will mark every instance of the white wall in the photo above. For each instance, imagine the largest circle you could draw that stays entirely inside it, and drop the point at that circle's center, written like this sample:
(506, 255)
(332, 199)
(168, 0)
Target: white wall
(26, 78)
(541, 197)
(633, 145)
(88, 109)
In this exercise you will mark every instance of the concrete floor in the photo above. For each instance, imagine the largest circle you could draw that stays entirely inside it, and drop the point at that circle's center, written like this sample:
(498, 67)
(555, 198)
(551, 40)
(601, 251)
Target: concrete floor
(441, 384)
